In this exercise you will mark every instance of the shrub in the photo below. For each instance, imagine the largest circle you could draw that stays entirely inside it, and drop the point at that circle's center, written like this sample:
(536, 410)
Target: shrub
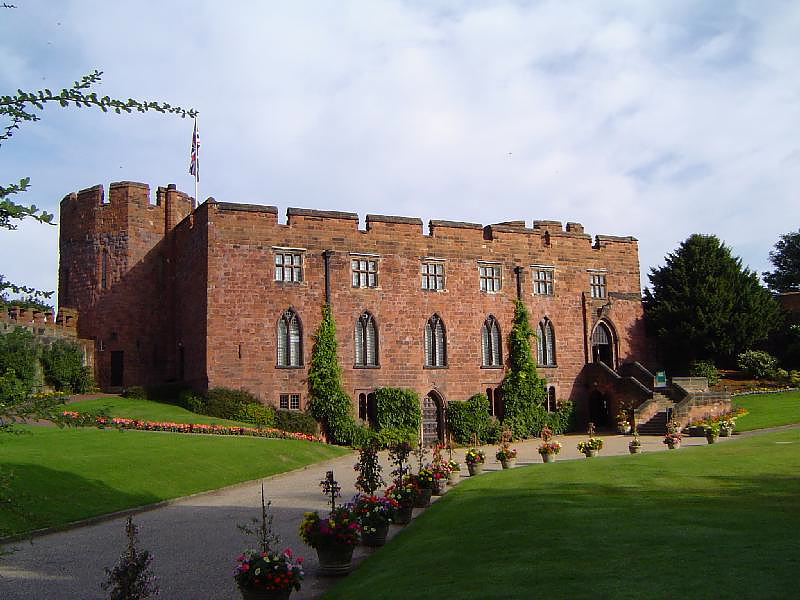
(300, 422)
(469, 418)
(392, 436)
(192, 401)
(12, 389)
(704, 368)
(62, 362)
(794, 378)
(227, 403)
(397, 408)
(257, 414)
(493, 433)
(757, 363)
(19, 353)
(136, 391)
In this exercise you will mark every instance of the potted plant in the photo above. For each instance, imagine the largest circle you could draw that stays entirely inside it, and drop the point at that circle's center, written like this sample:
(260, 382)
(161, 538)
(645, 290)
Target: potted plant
(672, 440)
(726, 427)
(590, 447)
(403, 491)
(623, 425)
(455, 472)
(266, 574)
(369, 469)
(334, 537)
(475, 458)
(507, 456)
(635, 445)
(424, 479)
(441, 473)
(374, 514)
(712, 432)
(548, 451)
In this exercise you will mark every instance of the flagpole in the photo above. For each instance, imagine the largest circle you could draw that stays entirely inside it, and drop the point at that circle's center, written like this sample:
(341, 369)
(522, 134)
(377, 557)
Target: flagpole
(197, 167)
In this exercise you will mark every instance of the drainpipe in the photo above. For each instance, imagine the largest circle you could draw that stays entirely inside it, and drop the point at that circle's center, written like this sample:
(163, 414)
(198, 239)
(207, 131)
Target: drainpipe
(326, 257)
(518, 272)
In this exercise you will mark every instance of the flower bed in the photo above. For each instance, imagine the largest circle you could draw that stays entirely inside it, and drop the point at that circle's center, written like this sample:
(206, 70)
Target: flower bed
(76, 418)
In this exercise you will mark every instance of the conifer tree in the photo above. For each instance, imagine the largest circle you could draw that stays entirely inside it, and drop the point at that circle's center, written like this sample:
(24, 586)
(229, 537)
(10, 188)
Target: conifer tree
(329, 403)
(705, 306)
(524, 391)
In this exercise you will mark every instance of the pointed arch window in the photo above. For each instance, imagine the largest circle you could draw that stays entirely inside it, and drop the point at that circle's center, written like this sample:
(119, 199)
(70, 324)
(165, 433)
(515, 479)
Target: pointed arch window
(290, 340)
(366, 341)
(491, 347)
(545, 343)
(435, 343)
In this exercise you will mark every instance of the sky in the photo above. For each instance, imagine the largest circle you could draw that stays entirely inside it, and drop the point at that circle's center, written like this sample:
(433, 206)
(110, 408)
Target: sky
(646, 118)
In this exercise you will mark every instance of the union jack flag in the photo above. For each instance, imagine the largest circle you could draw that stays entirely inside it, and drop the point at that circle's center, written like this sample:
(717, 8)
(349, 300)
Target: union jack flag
(194, 161)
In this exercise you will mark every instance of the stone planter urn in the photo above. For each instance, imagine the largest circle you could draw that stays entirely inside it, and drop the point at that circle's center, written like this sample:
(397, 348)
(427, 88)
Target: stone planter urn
(439, 487)
(453, 478)
(590, 453)
(548, 457)
(635, 449)
(508, 463)
(712, 438)
(475, 469)
(674, 445)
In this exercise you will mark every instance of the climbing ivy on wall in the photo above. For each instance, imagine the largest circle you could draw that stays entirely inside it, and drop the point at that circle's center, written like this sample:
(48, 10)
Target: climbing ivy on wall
(329, 403)
(524, 392)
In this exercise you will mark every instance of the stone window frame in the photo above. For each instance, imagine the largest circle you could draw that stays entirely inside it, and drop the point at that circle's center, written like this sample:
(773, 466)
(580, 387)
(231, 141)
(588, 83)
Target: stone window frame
(292, 402)
(435, 343)
(493, 279)
(361, 333)
(491, 344)
(543, 278)
(427, 277)
(371, 267)
(598, 284)
(295, 268)
(545, 343)
(286, 359)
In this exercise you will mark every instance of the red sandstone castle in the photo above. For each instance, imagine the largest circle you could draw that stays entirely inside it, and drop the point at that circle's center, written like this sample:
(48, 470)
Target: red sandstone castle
(224, 295)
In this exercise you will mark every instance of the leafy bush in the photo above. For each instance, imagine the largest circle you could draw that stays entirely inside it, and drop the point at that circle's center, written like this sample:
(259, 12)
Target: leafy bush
(192, 401)
(392, 436)
(257, 414)
(12, 389)
(704, 368)
(757, 363)
(493, 433)
(227, 403)
(397, 408)
(19, 353)
(300, 422)
(469, 418)
(794, 378)
(63, 367)
(136, 391)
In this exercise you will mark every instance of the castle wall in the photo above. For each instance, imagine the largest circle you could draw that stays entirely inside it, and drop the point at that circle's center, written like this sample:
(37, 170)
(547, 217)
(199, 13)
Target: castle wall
(245, 302)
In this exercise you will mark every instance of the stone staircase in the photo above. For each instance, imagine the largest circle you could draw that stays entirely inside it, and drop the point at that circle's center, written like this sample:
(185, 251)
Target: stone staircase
(657, 425)
(652, 416)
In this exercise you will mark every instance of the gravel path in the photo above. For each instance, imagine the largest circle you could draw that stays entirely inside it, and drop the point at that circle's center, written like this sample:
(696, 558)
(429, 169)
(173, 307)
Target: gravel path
(194, 540)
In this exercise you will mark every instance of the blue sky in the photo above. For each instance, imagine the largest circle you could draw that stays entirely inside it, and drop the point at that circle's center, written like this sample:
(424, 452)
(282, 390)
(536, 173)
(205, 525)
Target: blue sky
(651, 119)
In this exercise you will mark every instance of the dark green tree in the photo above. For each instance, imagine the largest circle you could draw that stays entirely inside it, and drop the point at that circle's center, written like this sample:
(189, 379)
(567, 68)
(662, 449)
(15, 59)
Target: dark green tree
(704, 305)
(524, 392)
(786, 260)
(329, 403)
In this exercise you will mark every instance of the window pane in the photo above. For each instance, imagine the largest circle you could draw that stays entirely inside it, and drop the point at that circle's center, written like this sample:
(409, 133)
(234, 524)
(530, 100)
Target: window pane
(485, 345)
(282, 358)
(495, 345)
(372, 346)
(428, 344)
(284, 401)
(359, 342)
(294, 343)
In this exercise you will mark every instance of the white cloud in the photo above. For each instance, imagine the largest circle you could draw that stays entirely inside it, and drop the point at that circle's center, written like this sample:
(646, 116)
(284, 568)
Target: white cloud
(650, 119)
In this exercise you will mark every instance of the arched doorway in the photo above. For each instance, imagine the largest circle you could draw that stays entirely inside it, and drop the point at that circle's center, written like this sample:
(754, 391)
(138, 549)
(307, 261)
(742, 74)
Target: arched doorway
(599, 410)
(432, 419)
(603, 345)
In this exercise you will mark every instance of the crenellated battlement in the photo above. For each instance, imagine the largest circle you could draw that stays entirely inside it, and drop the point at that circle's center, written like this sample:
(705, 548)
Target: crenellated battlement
(304, 219)
(65, 324)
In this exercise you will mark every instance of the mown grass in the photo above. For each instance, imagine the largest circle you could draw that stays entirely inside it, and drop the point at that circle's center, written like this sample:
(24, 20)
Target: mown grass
(146, 410)
(768, 410)
(715, 521)
(63, 475)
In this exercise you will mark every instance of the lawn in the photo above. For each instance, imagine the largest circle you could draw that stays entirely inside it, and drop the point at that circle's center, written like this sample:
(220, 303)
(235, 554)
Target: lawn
(715, 521)
(146, 410)
(65, 475)
(768, 410)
